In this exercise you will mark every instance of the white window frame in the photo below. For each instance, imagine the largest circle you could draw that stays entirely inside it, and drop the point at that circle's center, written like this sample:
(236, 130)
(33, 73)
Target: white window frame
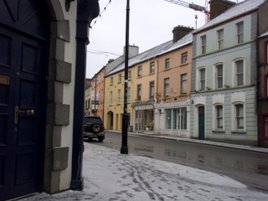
(184, 57)
(139, 88)
(203, 41)
(234, 117)
(152, 67)
(240, 33)
(166, 87)
(203, 80)
(183, 83)
(151, 90)
(216, 127)
(234, 72)
(167, 63)
(139, 71)
(177, 120)
(217, 76)
(220, 38)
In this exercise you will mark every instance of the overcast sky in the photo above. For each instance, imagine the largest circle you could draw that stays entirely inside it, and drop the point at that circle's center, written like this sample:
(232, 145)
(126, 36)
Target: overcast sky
(151, 23)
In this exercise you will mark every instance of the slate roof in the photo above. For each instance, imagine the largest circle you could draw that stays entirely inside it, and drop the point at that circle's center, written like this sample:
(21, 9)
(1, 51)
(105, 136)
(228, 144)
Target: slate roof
(236, 10)
(154, 52)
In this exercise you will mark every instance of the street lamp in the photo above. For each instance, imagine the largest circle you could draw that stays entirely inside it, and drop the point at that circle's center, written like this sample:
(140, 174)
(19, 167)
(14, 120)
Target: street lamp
(124, 147)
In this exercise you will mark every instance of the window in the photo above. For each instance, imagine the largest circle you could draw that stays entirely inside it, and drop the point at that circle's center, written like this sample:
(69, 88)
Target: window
(176, 118)
(139, 92)
(219, 117)
(119, 78)
(168, 118)
(166, 87)
(111, 98)
(119, 96)
(167, 63)
(203, 44)
(239, 72)
(240, 32)
(183, 83)
(111, 81)
(151, 90)
(239, 116)
(139, 71)
(220, 39)
(152, 67)
(219, 76)
(129, 75)
(202, 79)
(184, 57)
(128, 94)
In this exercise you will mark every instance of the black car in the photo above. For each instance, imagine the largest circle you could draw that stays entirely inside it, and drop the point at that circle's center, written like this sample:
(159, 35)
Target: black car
(93, 128)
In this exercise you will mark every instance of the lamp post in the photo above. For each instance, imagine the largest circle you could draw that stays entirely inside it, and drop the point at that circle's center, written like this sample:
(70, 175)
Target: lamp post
(124, 147)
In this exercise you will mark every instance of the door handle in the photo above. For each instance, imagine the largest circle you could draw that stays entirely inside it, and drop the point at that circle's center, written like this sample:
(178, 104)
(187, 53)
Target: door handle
(16, 115)
(25, 112)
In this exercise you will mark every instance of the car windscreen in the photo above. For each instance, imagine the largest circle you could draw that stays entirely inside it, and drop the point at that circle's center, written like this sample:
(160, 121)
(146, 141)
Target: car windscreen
(92, 120)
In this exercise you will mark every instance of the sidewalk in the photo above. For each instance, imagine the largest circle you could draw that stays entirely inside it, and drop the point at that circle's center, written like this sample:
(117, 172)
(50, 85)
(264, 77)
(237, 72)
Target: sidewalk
(176, 138)
(110, 176)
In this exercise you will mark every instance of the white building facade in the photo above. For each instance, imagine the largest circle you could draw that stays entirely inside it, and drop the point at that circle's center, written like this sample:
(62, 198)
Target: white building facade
(224, 76)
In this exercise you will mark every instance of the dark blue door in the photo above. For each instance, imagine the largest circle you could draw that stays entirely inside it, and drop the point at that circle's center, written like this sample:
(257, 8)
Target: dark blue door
(201, 123)
(23, 61)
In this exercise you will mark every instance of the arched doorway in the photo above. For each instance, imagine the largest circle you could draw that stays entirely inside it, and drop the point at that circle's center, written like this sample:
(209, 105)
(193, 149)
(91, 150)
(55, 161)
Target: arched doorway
(24, 39)
(110, 120)
(201, 122)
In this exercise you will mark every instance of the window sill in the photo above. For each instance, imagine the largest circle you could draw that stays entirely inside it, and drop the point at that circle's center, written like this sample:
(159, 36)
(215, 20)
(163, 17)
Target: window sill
(167, 69)
(218, 131)
(184, 64)
(239, 132)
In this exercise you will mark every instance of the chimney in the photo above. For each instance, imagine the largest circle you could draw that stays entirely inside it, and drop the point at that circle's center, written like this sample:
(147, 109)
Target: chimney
(218, 7)
(180, 31)
(133, 50)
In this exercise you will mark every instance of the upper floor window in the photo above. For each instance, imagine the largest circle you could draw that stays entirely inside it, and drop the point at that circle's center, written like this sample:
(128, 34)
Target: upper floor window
(202, 79)
(166, 87)
(183, 84)
(219, 76)
(239, 67)
(111, 97)
(139, 92)
(151, 90)
(152, 67)
(184, 57)
(220, 39)
(120, 78)
(129, 75)
(203, 44)
(167, 63)
(139, 71)
(111, 80)
(128, 94)
(240, 32)
(219, 117)
(119, 96)
(239, 116)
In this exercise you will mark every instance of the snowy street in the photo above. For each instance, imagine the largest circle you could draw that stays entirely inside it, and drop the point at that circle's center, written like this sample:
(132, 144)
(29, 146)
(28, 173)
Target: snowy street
(110, 176)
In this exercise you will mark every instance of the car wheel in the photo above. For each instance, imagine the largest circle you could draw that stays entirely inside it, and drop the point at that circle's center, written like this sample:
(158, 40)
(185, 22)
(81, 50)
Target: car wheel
(96, 128)
(101, 139)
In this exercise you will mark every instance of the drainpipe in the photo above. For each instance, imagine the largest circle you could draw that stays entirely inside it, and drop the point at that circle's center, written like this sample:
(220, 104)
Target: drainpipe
(87, 10)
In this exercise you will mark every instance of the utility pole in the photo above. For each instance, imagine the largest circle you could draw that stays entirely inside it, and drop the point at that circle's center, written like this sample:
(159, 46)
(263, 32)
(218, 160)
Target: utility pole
(124, 147)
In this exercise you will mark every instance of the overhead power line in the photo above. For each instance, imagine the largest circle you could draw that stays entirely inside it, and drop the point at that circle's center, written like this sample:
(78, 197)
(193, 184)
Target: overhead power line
(99, 16)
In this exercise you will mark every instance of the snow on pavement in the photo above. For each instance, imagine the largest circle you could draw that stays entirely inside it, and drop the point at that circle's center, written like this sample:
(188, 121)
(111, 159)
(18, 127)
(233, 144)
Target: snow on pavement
(110, 176)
